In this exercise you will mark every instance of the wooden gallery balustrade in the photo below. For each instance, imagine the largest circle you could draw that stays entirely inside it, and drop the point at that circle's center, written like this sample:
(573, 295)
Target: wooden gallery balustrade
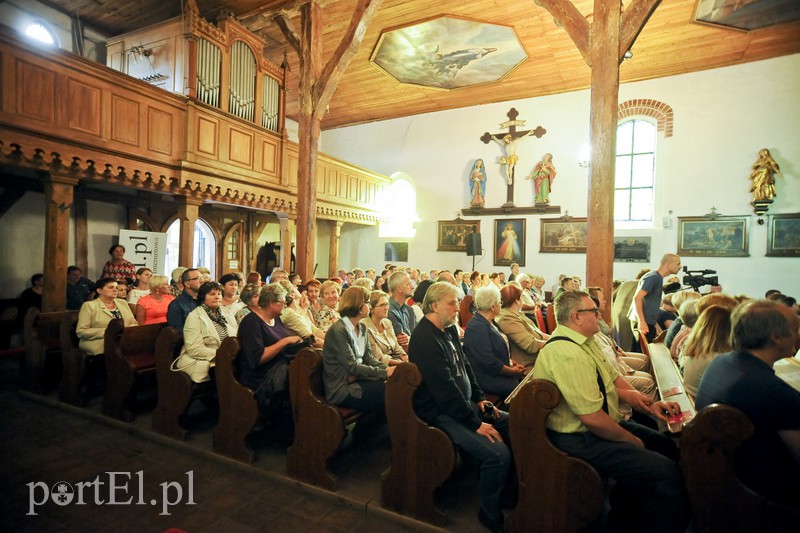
(66, 116)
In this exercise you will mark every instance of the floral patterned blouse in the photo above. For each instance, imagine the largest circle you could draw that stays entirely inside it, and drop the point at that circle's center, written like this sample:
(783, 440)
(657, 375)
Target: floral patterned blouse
(326, 317)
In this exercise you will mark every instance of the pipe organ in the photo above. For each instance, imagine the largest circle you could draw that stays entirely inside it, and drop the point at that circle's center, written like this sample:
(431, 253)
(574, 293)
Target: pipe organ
(209, 64)
(219, 65)
(242, 90)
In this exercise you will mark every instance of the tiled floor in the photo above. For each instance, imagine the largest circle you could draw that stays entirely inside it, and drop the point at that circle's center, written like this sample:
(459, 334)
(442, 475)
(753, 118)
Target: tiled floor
(44, 441)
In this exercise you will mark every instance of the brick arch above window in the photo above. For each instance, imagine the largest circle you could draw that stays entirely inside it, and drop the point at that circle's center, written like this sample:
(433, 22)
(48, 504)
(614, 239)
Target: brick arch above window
(659, 111)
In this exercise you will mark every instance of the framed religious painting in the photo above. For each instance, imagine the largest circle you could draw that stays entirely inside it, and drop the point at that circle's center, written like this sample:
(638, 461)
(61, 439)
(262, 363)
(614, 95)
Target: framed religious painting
(395, 251)
(783, 239)
(713, 236)
(563, 236)
(631, 249)
(746, 15)
(509, 241)
(453, 234)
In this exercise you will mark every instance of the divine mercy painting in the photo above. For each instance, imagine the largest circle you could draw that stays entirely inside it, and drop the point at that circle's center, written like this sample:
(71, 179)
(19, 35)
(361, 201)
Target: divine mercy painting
(509, 241)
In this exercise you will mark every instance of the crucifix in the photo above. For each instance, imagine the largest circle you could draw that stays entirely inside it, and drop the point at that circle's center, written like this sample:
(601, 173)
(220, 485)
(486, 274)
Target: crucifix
(508, 142)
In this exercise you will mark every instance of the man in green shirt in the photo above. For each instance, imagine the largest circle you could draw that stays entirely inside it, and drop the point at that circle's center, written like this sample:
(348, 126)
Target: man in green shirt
(587, 422)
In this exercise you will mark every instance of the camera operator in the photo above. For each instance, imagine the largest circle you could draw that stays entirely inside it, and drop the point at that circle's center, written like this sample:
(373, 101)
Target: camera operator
(647, 299)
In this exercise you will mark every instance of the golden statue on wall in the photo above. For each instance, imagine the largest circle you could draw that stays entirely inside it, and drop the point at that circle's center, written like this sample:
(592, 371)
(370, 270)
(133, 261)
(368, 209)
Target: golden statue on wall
(763, 176)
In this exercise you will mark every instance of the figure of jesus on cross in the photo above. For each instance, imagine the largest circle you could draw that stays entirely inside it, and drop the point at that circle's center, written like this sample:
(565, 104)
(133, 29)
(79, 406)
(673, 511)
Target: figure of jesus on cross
(508, 142)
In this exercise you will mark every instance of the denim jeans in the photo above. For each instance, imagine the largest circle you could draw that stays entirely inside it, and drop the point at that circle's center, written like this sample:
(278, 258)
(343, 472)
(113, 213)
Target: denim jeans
(495, 458)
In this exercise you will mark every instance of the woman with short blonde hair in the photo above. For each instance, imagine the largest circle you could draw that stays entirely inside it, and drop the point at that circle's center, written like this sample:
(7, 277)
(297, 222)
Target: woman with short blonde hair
(328, 315)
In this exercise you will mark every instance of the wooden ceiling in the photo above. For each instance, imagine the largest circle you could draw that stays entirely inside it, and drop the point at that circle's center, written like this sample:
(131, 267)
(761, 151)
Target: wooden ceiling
(669, 44)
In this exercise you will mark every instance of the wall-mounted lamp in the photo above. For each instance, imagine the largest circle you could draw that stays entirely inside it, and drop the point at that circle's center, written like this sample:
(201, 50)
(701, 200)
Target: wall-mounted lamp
(585, 156)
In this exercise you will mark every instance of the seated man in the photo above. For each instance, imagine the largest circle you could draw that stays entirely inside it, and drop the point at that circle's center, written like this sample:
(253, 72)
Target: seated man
(450, 398)
(78, 288)
(763, 332)
(587, 422)
(180, 307)
(400, 314)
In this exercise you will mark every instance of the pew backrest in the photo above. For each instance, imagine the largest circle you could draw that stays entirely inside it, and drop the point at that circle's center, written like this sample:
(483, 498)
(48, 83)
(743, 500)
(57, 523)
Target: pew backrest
(238, 408)
(423, 457)
(720, 502)
(129, 353)
(174, 388)
(319, 427)
(556, 492)
(41, 335)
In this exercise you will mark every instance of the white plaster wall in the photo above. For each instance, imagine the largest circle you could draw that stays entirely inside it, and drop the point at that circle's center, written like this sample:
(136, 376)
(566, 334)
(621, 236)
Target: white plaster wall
(104, 222)
(21, 244)
(722, 117)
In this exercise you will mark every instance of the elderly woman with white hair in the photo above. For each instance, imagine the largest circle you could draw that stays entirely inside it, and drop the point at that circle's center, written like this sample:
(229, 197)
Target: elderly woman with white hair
(487, 348)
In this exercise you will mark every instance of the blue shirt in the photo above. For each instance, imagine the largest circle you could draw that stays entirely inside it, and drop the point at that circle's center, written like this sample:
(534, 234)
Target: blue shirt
(179, 309)
(402, 317)
(743, 381)
(653, 284)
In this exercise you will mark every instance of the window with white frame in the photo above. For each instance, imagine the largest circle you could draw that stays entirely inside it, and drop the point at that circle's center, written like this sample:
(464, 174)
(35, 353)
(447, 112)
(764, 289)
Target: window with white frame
(203, 254)
(399, 207)
(635, 171)
(40, 32)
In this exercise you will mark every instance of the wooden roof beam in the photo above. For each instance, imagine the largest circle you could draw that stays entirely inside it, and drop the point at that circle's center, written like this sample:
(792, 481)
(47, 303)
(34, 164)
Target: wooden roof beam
(633, 20)
(348, 46)
(566, 15)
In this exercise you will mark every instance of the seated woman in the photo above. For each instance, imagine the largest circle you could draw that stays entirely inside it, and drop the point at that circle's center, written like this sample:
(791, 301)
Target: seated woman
(152, 309)
(688, 318)
(230, 293)
(314, 302)
(205, 329)
(380, 332)
(249, 298)
(708, 339)
(525, 339)
(263, 340)
(352, 376)
(327, 314)
(122, 290)
(295, 318)
(141, 289)
(95, 315)
(487, 348)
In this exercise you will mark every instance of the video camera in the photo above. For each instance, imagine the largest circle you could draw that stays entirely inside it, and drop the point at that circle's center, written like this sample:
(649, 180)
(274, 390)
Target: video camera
(698, 278)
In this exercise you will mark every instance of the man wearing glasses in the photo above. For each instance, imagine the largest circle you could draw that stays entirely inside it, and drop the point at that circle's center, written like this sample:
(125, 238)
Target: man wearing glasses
(587, 422)
(180, 307)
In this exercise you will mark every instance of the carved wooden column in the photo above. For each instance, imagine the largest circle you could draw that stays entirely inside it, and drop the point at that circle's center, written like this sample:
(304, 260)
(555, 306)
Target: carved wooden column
(288, 226)
(81, 235)
(58, 195)
(333, 255)
(188, 211)
(603, 133)
(602, 44)
(191, 67)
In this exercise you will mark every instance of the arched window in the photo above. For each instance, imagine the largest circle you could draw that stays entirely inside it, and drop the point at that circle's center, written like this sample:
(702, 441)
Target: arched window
(399, 206)
(205, 245)
(38, 31)
(635, 171)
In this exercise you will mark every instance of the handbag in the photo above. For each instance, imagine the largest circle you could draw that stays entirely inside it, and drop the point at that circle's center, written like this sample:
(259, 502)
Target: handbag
(196, 368)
